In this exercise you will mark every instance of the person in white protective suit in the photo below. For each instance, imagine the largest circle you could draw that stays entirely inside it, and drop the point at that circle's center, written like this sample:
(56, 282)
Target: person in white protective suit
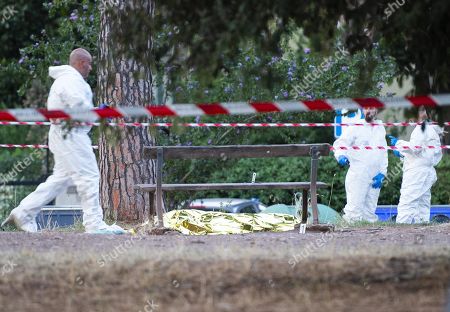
(419, 174)
(74, 158)
(367, 167)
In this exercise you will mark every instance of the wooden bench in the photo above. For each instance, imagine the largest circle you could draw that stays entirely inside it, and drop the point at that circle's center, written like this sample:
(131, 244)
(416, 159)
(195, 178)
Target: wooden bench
(161, 153)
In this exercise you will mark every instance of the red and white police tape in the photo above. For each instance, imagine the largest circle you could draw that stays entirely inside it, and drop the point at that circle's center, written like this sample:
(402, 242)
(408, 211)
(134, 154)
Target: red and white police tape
(23, 146)
(220, 125)
(30, 146)
(395, 148)
(230, 108)
(360, 148)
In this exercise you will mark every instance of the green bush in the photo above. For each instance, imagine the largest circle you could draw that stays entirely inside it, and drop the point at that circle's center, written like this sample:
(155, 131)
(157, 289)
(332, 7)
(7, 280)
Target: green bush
(268, 170)
(287, 170)
(440, 193)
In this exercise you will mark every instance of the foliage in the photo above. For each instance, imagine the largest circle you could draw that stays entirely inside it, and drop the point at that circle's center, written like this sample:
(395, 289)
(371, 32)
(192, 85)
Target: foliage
(13, 33)
(241, 80)
(440, 191)
(270, 170)
(77, 26)
(205, 33)
(11, 77)
(295, 169)
(251, 50)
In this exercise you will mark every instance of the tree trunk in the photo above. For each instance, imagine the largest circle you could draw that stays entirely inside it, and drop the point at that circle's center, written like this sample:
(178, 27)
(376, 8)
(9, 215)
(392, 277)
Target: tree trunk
(123, 82)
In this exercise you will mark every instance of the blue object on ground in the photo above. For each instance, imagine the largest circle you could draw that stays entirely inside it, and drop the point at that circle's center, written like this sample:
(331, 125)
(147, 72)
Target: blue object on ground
(438, 213)
(62, 216)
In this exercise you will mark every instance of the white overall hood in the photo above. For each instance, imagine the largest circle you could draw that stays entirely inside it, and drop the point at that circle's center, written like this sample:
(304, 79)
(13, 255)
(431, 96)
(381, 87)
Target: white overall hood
(58, 71)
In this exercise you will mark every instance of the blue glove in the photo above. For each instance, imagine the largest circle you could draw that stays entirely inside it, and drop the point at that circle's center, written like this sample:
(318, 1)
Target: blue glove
(343, 161)
(394, 140)
(378, 180)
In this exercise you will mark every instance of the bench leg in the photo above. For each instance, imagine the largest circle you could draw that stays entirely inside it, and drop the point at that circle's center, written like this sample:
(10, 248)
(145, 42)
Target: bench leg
(152, 210)
(304, 206)
(314, 164)
(159, 199)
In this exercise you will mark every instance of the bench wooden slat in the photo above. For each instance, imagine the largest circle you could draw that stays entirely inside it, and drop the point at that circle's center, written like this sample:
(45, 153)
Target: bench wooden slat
(229, 186)
(236, 151)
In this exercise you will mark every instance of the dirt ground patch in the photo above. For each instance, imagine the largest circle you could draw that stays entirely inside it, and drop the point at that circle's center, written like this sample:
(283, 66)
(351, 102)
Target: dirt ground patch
(389, 268)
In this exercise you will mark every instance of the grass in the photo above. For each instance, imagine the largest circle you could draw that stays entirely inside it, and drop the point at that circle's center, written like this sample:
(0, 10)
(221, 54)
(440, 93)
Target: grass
(76, 227)
(228, 273)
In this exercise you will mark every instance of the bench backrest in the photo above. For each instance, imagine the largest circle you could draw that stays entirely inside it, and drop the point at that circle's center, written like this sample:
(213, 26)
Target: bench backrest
(236, 151)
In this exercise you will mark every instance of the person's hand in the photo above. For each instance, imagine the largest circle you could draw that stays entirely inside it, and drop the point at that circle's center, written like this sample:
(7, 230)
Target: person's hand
(343, 161)
(394, 140)
(378, 180)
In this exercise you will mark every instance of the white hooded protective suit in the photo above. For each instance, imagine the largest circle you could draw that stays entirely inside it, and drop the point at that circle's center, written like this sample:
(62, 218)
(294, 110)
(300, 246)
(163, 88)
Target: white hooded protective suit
(419, 174)
(362, 198)
(74, 158)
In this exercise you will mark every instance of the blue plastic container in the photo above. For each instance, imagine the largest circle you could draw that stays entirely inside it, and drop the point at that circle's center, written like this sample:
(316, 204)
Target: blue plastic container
(438, 213)
(386, 213)
(52, 217)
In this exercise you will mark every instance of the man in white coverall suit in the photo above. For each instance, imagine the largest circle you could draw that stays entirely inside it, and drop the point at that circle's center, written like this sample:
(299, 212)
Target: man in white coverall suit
(74, 158)
(367, 167)
(419, 174)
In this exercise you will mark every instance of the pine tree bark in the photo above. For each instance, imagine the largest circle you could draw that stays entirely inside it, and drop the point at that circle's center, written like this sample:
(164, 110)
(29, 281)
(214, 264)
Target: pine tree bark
(123, 82)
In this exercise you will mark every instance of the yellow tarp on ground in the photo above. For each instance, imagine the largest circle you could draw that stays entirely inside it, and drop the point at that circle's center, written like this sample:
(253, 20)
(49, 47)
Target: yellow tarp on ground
(197, 222)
